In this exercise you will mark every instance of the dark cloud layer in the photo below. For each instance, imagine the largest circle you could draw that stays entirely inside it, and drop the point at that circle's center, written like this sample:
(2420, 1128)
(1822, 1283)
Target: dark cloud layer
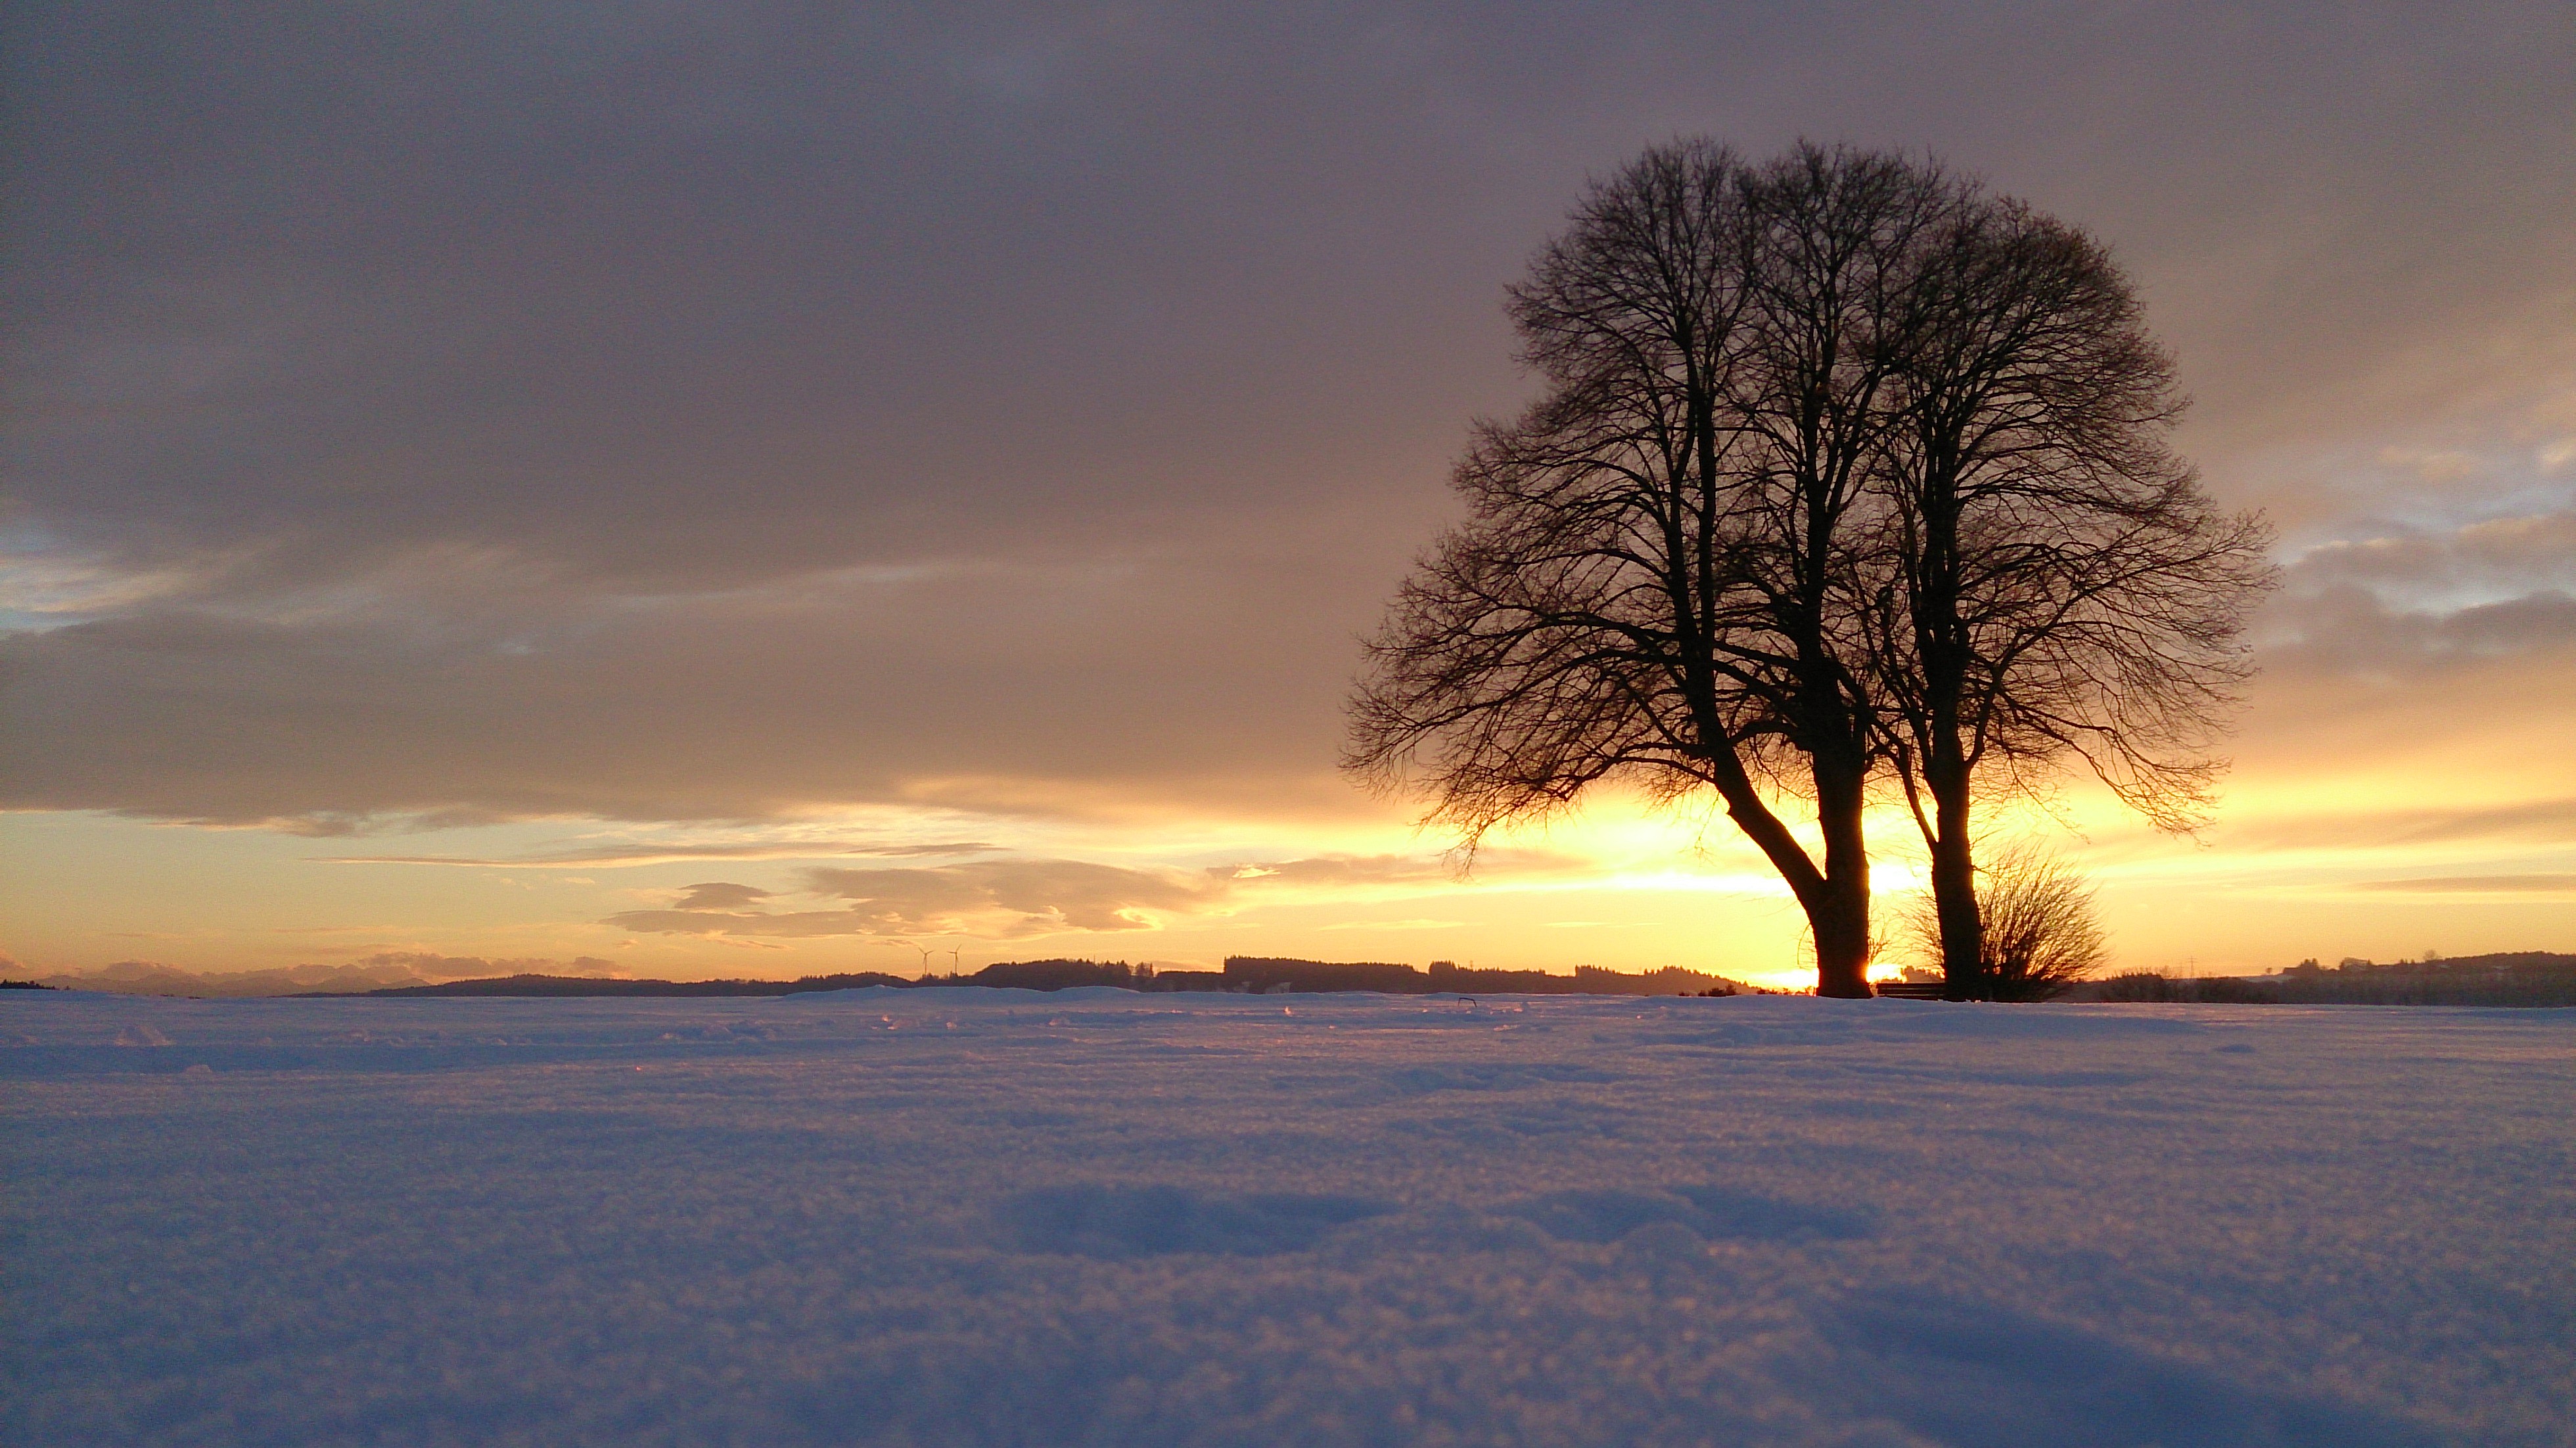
(981, 692)
(714, 412)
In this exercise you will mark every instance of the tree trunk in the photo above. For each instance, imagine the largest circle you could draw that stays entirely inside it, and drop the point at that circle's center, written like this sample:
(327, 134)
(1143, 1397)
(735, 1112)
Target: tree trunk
(1840, 923)
(1954, 890)
(1943, 648)
(1954, 903)
(1838, 912)
(1836, 898)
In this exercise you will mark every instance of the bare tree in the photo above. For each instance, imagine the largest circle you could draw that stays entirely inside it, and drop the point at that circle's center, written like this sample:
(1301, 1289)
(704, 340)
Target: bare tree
(1843, 466)
(1656, 579)
(2058, 584)
(2040, 932)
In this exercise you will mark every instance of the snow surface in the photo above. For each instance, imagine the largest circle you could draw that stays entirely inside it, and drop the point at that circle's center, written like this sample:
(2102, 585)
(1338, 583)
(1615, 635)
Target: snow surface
(995, 1217)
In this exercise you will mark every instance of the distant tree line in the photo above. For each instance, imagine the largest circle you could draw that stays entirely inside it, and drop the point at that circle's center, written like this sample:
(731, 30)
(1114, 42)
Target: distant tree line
(1279, 975)
(2515, 978)
(1242, 975)
(1264, 975)
(2512, 978)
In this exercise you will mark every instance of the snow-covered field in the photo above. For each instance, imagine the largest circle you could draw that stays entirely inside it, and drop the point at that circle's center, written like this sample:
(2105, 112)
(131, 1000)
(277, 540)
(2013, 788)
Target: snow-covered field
(966, 1216)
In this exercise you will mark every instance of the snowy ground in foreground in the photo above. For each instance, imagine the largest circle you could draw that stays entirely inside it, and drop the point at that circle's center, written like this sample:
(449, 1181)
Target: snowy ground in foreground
(966, 1216)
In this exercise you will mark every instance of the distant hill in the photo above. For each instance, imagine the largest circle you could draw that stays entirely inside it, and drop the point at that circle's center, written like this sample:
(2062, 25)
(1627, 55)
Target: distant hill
(2507, 978)
(2506, 962)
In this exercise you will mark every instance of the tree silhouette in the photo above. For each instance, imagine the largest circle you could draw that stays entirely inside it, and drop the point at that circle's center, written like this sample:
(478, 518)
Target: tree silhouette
(2058, 583)
(1804, 500)
(1654, 580)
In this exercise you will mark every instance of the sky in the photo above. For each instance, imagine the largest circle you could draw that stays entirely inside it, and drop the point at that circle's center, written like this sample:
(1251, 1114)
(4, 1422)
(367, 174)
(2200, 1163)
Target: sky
(763, 489)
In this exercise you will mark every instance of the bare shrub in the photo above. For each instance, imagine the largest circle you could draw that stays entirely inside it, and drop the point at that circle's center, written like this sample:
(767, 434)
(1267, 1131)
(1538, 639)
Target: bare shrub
(2040, 934)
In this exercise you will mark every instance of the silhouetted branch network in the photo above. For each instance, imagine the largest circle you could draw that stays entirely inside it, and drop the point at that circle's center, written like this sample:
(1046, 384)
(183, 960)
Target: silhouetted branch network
(1845, 470)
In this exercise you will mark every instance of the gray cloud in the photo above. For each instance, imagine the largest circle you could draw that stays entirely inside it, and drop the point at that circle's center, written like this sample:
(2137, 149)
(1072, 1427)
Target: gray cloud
(2349, 630)
(707, 412)
(2488, 559)
(714, 292)
(2414, 601)
(1028, 692)
(720, 895)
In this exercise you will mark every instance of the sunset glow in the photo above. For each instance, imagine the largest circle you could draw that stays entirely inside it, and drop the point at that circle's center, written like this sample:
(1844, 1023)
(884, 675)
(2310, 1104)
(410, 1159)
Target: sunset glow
(934, 523)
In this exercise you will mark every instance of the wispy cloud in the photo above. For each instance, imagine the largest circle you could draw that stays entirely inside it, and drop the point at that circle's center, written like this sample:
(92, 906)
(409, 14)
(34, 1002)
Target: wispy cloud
(991, 899)
(385, 968)
(2482, 885)
(614, 856)
(1358, 873)
(2549, 821)
(1019, 898)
